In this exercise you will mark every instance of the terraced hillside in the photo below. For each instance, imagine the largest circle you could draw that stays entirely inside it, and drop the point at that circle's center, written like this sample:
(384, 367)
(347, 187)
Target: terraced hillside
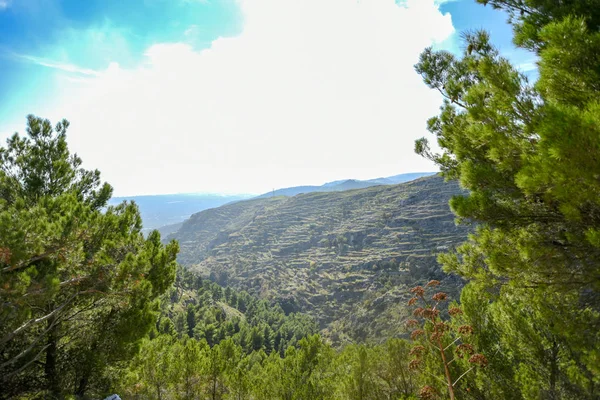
(348, 257)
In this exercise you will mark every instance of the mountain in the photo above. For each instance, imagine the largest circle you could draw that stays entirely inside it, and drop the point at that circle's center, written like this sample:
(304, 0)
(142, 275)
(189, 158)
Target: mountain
(347, 258)
(401, 178)
(169, 229)
(167, 212)
(339, 186)
(346, 184)
(158, 211)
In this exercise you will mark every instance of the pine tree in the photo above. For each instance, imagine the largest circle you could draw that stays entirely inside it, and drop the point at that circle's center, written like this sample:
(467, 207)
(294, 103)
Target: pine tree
(528, 154)
(78, 281)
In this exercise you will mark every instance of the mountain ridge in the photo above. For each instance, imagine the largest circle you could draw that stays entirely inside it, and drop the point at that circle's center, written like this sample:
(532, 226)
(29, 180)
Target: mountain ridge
(348, 258)
(346, 184)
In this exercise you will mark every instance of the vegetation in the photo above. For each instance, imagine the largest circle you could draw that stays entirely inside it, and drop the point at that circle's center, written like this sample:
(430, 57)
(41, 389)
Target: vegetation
(230, 345)
(170, 368)
(346, 258)
(203, 310)
(528, 154)
(441, 342)
(178, 362)
(78, 281)
(89, 306)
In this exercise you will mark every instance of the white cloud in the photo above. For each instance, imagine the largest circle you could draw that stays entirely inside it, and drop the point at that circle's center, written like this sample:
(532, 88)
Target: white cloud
(62, 66)
(310, 91)
(528, 66)
(440, 2)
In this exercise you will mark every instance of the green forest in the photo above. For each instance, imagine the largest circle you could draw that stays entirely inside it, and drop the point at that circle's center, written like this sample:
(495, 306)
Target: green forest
(91, 306)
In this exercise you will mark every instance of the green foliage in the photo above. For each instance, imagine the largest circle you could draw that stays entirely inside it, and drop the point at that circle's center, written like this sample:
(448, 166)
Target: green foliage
(443, 346)
(331, 255)
(78, 281)
(201, 309)
(531, 17)
(528, 154)
(170, 368)
(255, 353)
(80, 284)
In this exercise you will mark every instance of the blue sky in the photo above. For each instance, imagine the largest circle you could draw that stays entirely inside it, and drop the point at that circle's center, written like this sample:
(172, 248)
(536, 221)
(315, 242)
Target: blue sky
(232, 95)
(90, 34)
(469, 15)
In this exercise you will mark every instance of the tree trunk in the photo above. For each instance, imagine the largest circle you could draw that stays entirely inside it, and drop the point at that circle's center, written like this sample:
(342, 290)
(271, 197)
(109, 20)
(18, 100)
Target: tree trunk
(188, 387)
(81, 388)
(158, 391)
(214, 388)
(50, 369)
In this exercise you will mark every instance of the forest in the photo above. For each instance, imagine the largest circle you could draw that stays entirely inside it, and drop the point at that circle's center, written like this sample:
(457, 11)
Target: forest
(90, 306)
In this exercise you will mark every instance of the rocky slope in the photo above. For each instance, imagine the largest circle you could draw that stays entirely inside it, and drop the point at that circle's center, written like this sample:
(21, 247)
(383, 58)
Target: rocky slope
(348, 258)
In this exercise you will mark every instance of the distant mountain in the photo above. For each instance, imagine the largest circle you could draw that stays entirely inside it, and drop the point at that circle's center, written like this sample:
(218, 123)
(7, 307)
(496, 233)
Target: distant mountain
(158, 211)
(347, 257)
(169, 229)
(346, 184)
(166, 212)
(400, 178)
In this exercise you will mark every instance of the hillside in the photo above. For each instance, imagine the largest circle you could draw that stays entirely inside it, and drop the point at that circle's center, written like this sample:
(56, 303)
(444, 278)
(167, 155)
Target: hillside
(348, 258)
(200, 309)
(346, 184)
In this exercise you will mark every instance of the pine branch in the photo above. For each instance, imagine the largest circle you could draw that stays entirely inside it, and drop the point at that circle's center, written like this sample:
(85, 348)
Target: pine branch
(18, 371)
(35, 321)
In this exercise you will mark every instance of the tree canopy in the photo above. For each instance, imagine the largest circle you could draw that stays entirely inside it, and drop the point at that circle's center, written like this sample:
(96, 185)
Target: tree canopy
(78, 281)
(82, 290)
(528, 152)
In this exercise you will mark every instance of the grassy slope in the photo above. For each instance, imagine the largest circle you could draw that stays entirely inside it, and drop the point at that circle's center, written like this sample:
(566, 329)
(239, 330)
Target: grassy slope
(348, 258)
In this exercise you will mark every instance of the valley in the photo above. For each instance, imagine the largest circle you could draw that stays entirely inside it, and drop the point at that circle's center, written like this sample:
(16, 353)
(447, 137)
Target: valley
(347, 258)
(278, 269)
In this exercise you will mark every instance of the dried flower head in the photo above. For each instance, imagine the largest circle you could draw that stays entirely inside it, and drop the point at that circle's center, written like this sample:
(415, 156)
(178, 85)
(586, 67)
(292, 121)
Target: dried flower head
(414, 364)
(416, 333)
(418, 291)
(478, 359)
(453, 311)
(440, 296)
(433, 283)
(412, 323)
(417, 351)
(418, 312)
(465, 329)
(464, 349)
(431, 313)
(5, 255)
(412, 301)
(428, 393)
(441, 327)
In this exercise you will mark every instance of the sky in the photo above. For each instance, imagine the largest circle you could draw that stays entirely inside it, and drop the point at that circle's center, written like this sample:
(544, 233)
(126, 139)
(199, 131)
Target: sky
(233, 96)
